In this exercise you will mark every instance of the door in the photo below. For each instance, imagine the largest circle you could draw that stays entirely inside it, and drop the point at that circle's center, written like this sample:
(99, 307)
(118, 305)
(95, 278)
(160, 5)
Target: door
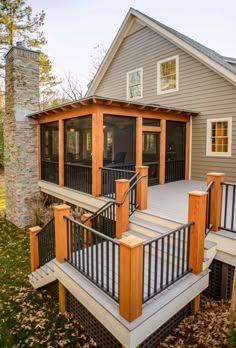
(175, 151)
(151, 153)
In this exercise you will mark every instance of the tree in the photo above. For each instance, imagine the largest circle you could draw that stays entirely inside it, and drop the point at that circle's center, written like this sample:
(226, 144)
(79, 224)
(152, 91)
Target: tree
(17, 23)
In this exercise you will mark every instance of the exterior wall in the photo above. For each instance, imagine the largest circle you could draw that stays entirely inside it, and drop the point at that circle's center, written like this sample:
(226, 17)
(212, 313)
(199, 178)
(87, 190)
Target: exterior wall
(20, 133)
(200, 89)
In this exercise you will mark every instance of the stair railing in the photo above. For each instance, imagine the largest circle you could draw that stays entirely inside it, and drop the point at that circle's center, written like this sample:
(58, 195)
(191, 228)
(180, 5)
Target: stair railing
(208, 209)
(46, 243)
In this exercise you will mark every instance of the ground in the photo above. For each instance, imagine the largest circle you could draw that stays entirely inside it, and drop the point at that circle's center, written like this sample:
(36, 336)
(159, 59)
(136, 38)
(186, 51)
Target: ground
(30, 318)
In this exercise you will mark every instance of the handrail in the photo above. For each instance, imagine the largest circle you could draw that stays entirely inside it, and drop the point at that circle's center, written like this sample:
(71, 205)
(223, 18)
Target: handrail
(99, 211)
(92, 230)
(130, 188)
(210, 184)
(168, 233)
(118, 170)
(81, 165)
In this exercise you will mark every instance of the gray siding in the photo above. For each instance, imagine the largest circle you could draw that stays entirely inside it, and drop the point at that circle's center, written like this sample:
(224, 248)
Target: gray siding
(200, 89)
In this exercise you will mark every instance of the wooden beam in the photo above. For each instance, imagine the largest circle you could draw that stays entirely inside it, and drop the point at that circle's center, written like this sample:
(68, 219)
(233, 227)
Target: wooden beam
(61, 153)
(187, 150)
(139, 141)
(84, 102)
(162, 161)
(97, 151)
(62, 297)
(151, 129)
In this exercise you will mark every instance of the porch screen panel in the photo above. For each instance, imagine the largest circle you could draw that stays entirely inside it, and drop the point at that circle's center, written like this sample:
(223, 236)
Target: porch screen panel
(175, 151)
(78, 153)
(119, 141)
(49, 151)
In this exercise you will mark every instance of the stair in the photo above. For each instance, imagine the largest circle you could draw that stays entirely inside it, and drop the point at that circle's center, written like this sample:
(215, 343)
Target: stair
(151, 225)
(42, 276)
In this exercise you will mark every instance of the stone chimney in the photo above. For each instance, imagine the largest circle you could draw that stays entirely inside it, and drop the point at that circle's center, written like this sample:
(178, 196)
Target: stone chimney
(20, 132)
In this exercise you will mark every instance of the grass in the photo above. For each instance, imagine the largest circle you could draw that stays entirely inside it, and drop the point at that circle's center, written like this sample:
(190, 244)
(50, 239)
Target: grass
(29, 318)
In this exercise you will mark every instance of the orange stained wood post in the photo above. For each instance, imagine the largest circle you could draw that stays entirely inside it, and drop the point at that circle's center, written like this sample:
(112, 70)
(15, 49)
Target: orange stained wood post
(62, 297)
(61, 153)
(162, 161)
(195, 304)
(97, 151)
(39, 150)
(34, 249)
(187, 150)
(60, 231)
(142, 185)
(122, 210)
(131, 276)
(87, 234)
(216, 199)
(139, 141)
(197, 204)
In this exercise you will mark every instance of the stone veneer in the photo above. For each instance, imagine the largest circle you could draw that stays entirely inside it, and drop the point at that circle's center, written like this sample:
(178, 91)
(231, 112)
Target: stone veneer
(20, 132)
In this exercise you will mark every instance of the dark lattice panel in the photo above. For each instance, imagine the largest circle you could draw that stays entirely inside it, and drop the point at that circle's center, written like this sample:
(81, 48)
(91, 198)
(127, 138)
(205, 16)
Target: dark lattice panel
(214, 287)
(220, 281)
(53, 290)
(230, 280)
(55, 200)
(95, 329)
(160, 334)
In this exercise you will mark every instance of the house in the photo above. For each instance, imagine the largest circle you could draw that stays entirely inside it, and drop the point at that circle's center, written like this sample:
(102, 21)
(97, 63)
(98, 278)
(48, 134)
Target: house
(127, 271)
(152, 63)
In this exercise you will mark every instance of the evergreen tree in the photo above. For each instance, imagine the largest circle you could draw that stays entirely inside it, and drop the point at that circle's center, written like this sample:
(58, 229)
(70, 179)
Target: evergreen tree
(18, 23)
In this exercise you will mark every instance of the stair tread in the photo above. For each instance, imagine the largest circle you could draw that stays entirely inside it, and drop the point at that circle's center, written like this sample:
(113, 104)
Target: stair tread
(136, 234)
(208, 244)
(150, 225)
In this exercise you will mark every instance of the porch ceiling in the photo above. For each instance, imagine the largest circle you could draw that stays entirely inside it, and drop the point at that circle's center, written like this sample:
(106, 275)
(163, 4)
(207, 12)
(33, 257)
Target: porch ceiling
(97, 100)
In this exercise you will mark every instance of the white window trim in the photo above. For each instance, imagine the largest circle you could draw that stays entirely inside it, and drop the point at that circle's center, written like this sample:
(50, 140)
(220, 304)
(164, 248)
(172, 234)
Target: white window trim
(208, 149)
(127, 84)
(159, 74)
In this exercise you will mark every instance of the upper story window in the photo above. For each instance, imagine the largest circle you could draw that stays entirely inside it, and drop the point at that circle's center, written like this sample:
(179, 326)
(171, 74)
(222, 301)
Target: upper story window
(168, 75)
(219, 137)
(135, 84)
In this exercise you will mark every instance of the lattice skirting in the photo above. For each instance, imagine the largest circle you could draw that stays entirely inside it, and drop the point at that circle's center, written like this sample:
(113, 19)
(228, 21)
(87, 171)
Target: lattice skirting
(53, 290)
(220, 281)
(160, 334)
(95, 329)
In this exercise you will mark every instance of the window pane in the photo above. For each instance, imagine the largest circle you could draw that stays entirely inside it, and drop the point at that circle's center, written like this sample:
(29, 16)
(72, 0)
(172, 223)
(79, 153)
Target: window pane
(151, 122)
(134, 84)
(219, 136)
(49, 141)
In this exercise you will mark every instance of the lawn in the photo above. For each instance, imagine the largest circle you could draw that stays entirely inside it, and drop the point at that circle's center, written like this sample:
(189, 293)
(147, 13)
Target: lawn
(29, 318)
(2, 199)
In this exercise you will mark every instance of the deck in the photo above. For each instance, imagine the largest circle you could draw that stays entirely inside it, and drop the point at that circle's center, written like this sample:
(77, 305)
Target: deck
(170, 201)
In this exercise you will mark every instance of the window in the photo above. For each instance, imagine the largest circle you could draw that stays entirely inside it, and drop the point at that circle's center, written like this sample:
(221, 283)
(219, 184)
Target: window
(135, 84)
(219, 135)
(149, 143)
(168, 75)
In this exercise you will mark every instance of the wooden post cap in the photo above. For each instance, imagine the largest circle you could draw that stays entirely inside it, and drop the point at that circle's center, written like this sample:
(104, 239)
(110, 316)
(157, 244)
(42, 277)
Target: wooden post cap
(197, 193)
(61, 207)
(215, 174)
(35, 229)
(131, 241)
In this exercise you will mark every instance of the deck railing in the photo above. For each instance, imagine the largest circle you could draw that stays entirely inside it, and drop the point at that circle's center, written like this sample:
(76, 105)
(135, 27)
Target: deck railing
(104, 220)
(46, 243)
(94, 255)
(49, 171)
(175, 170)
(208, 208)
(78, 177)
(109, 177)
(228, 213)
(165, 260)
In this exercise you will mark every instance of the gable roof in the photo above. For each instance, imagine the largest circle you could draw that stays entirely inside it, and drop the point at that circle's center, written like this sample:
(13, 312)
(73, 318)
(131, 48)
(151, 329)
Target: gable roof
(212, 59)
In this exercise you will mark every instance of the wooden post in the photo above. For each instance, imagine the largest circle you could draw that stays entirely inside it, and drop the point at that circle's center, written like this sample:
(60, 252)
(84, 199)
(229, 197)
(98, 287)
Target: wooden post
(61, 153)
(187, 150)
(142, 186)
(197, 205)
(62, 297)
(34, 249)
(139, 141)
(130, 271)
(60, 231)
(162, 161)
(122, 211)
(97, 151)
(87, 234)
(197, 212)
(216, 199)
(39, 151)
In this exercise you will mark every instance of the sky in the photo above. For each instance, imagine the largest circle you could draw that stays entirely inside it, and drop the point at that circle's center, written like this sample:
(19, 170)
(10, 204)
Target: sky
(74, 27)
